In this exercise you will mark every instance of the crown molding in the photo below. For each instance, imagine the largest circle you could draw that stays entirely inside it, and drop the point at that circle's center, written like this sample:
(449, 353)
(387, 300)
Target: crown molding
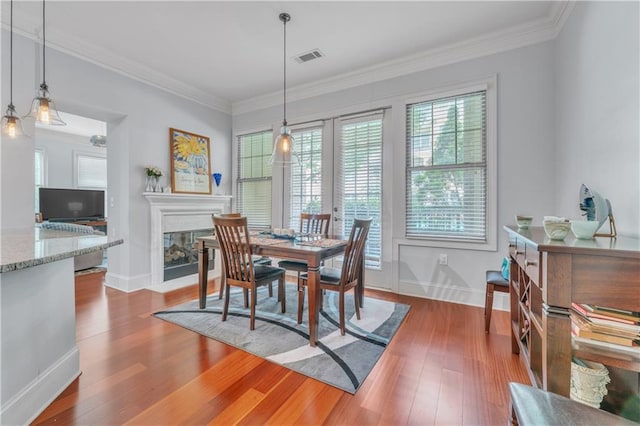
(118, 64)
(500, 41)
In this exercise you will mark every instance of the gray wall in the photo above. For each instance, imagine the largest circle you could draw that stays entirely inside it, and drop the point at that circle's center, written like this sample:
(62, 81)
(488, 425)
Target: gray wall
(138, 119)
(525, 163)
(597, 104)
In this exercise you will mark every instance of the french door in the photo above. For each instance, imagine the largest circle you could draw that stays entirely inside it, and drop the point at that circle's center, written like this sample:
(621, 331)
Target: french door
(341, 172)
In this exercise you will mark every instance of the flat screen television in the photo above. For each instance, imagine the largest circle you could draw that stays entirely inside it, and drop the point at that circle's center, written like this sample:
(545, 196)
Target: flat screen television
(57, 204)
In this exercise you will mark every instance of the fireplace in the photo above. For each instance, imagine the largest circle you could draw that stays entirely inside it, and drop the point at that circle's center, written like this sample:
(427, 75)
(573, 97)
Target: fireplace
(177, 220)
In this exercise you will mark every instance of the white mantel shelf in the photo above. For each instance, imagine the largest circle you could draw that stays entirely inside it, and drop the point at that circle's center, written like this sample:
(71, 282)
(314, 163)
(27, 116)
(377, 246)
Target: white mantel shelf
(175, 213)
(168, 197)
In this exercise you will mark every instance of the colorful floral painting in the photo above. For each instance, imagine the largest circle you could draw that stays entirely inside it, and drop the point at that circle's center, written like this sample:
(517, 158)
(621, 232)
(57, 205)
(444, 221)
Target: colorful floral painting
(190, 162)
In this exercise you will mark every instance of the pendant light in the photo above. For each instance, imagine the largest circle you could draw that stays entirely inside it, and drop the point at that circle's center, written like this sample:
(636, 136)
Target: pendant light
(11, 125)
(283, 153)
(43, 109)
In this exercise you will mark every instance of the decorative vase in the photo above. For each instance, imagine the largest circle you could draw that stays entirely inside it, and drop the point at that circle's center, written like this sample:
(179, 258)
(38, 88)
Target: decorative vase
(217, 178)
(157, 187)
(589, 382)
(150, 184)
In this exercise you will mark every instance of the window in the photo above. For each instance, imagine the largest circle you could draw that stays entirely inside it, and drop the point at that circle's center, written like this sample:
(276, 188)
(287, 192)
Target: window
(306, 179)
(91, 171)
(359, 179)
(446, 175)
(39, 176)
(254, 178)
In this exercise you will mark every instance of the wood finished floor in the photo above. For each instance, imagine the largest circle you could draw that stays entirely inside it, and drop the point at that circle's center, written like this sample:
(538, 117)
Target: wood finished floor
(440, 368)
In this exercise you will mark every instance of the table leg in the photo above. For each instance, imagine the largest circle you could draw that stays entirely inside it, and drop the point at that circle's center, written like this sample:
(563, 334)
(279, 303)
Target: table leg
(203, 269)
(315, 294)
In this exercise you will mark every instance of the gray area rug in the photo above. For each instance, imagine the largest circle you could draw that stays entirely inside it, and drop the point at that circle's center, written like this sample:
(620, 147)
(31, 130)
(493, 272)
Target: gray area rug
(341, 361)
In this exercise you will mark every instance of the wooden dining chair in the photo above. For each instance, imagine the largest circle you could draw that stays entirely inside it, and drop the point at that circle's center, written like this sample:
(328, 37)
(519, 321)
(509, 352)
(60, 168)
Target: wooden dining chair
(309, 224)
(345, 279)
(257, 259)
(238, 267)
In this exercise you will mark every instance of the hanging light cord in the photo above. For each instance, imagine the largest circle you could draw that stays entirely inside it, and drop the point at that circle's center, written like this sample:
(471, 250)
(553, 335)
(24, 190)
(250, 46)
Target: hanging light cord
(44, 62)
(284, 121)
(11, 107)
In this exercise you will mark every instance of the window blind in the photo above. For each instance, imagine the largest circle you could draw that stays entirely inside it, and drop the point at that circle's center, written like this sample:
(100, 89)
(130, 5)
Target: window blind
(306, 179)
(254, 178)
(91, 171)
(359, 179)
(446, 174)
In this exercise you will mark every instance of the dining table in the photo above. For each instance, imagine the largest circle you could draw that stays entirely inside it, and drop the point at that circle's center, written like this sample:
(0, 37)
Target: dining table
(312, 249)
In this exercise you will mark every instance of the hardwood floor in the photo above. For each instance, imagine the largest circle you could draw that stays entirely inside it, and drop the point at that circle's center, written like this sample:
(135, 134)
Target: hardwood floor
(440, 368)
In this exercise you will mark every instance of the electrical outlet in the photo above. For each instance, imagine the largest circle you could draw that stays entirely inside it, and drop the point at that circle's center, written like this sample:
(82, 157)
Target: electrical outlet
(443, 260)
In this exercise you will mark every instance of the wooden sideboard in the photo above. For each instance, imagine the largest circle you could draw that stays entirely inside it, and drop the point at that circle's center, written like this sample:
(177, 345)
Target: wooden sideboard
(546, 277)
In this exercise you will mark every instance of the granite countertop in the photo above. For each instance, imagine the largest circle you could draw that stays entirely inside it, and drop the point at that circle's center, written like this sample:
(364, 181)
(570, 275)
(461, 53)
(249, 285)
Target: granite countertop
(24, 248)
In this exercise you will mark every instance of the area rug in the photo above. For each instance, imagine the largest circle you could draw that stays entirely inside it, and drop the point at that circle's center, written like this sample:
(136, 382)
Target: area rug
(341, 361)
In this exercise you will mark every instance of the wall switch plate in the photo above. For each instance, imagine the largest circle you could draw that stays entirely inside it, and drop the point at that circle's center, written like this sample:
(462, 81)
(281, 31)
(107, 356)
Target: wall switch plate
(443, 259)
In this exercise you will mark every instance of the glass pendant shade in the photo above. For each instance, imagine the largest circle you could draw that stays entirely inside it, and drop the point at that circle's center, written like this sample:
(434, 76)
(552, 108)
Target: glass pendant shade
(44, 110)
(283, 152)
(11, 125)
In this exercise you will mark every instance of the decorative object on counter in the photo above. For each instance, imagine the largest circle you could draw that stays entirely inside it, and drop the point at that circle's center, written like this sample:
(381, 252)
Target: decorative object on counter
(153, 176)
(597, 208)
(584, 229)
(588, 382)
(556, 228)
(217, 178)
(43, 109)
(190, 163)
(524, 221)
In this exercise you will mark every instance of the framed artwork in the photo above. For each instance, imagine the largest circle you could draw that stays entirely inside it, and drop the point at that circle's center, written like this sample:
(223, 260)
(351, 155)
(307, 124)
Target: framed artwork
(190, 163)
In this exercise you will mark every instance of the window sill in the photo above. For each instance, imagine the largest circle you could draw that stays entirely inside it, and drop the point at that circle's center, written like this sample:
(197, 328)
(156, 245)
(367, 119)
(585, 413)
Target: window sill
(435, 243)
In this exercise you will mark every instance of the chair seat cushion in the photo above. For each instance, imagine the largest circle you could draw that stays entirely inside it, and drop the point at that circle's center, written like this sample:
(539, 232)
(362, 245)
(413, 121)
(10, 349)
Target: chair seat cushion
(263, 272)
(293, 265)
(261, 260)
(496, 278)
(328, 275)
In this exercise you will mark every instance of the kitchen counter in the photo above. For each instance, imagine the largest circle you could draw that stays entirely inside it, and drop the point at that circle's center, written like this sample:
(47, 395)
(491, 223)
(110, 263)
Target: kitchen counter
(39, 352)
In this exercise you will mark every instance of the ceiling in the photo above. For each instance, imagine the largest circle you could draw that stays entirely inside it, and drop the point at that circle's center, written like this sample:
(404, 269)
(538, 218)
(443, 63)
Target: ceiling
(229, 55)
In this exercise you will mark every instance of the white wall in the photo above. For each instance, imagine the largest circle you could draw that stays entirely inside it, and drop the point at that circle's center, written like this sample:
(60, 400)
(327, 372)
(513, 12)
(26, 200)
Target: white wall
(525, 161)
(139, 117)
(598, 113)
(59, 150)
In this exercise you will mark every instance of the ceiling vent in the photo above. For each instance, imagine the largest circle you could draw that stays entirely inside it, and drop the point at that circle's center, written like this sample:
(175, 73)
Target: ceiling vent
(308, 56)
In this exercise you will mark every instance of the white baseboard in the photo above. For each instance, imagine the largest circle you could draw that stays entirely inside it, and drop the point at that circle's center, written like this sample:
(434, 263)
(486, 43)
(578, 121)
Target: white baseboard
(127, 284)
(27, 404)
(465, 296)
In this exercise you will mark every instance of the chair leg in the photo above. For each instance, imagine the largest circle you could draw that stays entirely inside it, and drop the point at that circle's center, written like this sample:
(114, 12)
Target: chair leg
(488, 307)
(357, 303)
(300, 302)
(226, 303)
(222, 284)
(281, 293)
(342, 313)
(271, 290)
(254, 296)
(246, 297)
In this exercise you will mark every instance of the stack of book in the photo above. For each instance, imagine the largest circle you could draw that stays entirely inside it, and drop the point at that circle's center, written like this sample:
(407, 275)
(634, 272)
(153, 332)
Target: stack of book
(612, 326)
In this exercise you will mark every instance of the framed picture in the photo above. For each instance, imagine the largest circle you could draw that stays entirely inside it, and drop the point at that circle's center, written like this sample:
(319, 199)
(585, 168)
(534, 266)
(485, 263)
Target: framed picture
(190, 163)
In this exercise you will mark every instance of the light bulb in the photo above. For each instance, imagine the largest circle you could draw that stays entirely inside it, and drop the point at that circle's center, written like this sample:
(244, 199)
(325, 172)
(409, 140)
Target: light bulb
(43, 113)
(285, 144)
(11, 127)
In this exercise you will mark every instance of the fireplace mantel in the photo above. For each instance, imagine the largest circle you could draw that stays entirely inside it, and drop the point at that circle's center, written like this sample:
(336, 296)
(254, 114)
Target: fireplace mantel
(178, 212)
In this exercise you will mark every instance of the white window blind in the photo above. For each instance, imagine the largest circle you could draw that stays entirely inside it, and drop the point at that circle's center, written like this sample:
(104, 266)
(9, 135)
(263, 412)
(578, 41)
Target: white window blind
(254, 178)
(91, 171)
(447, 168)
(359, 179)
(306, 179)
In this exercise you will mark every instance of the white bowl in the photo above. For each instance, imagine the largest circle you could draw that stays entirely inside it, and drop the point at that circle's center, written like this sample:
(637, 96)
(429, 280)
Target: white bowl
(584, 229)
(556, 230)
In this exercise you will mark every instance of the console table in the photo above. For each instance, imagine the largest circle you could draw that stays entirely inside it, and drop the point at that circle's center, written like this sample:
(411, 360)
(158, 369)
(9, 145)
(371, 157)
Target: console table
(546, 277)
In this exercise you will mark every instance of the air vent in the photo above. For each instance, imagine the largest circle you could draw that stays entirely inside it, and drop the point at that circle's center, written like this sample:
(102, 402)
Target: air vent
(309, 56)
